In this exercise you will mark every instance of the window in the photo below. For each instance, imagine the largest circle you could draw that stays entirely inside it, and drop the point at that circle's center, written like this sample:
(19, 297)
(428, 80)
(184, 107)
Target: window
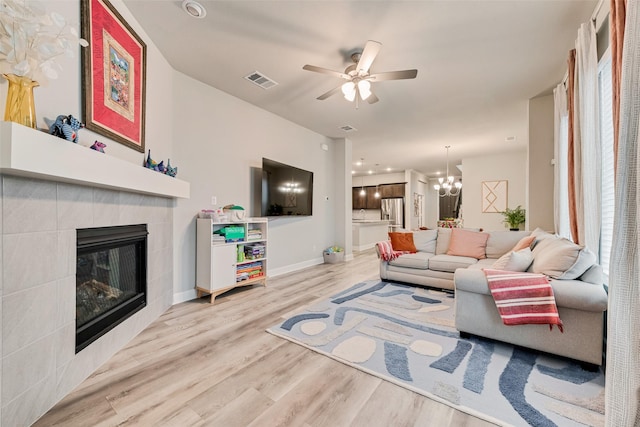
(607, 202)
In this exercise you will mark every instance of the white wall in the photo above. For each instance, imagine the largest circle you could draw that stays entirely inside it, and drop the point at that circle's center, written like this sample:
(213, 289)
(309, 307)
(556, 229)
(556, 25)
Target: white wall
(214, 139)
(432, 204)
(376, 179)
(540, 185)
(219, 140)
(64, 95)
(416, 184)
(508, 166)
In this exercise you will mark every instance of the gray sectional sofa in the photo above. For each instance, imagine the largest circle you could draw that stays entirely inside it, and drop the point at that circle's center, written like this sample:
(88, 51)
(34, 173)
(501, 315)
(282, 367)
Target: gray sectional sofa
(431, 266)
(576, 280)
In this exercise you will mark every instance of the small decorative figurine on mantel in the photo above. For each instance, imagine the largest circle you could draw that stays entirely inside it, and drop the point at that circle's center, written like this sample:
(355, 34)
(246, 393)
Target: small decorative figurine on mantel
(150, 163)
(66, 127)
(98, 146)
(171, 171)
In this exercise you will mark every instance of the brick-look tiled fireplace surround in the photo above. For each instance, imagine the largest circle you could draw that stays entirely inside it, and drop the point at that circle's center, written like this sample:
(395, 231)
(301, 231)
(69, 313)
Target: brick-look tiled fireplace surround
(38, 222)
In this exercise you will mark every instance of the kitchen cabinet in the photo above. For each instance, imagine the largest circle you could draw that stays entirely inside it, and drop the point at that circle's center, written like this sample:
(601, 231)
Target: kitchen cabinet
(392, 190)
(368, 201)
(373, 202)
(359, 202)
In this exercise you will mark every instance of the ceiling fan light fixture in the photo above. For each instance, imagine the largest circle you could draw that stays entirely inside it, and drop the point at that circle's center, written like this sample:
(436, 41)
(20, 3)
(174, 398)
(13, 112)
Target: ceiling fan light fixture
(364, 87)
(349, 91)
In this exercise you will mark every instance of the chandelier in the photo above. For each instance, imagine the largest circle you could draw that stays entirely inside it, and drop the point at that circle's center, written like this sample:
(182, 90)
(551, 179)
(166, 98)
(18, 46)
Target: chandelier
(448, 187)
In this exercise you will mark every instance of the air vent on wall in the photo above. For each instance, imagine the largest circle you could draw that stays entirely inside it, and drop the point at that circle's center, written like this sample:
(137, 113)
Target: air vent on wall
(348, 128)
(261, 80)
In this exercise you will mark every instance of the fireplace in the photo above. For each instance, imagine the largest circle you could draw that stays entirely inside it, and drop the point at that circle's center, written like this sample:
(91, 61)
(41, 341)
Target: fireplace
(111, 279)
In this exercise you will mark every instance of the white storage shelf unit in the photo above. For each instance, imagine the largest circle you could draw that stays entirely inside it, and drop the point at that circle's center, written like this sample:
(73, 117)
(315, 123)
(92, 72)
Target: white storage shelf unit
(226, 263)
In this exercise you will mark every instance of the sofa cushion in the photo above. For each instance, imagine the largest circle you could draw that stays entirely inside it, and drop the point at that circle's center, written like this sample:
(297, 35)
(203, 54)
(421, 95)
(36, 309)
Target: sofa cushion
(501, 242)
(402, 242)
(468, 243)
(560, 258)
(442, 244)
(483, 263)
(450, 263)
(419, 260)
(425, 240)
(514, 260)
(593, 275)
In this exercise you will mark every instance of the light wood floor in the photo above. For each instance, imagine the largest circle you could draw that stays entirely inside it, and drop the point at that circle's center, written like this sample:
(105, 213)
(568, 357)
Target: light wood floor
(214, 365)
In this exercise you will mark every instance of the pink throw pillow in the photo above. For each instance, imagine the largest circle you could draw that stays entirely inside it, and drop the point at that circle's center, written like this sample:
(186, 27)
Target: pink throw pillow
(525, 242)
(468, 243)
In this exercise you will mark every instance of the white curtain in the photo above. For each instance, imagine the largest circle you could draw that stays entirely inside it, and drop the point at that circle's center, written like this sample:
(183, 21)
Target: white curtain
(560, 182)
(623, 332)
(587, 154)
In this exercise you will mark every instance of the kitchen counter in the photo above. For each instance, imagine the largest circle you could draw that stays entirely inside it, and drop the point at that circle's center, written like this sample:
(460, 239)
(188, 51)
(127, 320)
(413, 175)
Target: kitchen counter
(367, 232)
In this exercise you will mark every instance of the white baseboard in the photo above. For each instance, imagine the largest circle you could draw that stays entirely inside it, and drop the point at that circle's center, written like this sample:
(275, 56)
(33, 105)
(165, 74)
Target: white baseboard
(364, 247)
(295, 267)
(184, 296)
(191, 294)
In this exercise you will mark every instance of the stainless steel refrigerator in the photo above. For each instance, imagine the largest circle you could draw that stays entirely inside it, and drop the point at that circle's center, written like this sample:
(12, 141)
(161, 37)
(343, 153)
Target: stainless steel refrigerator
(392, 209)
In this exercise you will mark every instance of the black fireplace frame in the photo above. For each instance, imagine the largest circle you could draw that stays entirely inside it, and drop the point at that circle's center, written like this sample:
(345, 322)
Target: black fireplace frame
(103, 238)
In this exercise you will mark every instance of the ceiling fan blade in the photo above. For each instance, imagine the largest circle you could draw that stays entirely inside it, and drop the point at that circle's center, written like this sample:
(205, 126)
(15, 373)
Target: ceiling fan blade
(328, 94)
(372, 99)
(326, 71)
(394, 75)
(369, 54)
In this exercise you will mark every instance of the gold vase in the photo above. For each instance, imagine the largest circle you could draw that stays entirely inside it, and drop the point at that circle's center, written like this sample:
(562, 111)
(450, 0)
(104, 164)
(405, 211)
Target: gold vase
(20, 106)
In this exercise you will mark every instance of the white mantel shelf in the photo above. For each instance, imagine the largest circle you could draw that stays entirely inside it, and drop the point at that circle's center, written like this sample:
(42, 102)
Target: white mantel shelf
(31, 153)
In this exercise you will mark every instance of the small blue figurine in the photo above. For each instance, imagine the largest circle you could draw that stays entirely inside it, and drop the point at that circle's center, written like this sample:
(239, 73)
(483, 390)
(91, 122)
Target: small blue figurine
(160, 168)
(150, 163)
(171, 171)
(98, 146)
(66, 127)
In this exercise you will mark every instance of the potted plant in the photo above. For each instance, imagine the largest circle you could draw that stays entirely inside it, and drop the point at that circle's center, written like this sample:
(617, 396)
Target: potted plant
(514, 217)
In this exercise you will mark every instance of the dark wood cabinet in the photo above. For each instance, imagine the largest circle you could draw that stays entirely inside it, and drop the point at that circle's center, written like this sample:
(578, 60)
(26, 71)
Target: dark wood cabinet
(359, 202)
(369, 200)
(373, 202)
(392, 190)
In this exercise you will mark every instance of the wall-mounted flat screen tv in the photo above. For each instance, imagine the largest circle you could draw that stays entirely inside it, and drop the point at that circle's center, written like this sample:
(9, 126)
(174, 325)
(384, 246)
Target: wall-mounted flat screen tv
(286, 190)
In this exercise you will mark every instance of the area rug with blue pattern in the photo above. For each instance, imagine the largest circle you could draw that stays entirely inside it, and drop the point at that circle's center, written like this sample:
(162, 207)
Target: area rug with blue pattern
(406, 335)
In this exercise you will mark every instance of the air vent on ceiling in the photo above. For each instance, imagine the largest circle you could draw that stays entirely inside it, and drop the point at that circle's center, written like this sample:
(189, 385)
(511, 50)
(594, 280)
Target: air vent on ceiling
(261, 80)
(348, 128)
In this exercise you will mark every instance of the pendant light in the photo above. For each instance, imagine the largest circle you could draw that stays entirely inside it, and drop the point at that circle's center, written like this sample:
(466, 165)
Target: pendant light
(362, 192)
(377, 193)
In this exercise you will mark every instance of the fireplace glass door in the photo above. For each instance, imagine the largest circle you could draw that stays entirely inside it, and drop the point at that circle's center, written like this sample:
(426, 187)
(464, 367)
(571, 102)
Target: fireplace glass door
(111, 267)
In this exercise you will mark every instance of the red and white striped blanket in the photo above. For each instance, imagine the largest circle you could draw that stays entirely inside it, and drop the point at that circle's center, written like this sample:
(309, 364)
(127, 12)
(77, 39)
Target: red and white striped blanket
(386, 251)
(523, 298)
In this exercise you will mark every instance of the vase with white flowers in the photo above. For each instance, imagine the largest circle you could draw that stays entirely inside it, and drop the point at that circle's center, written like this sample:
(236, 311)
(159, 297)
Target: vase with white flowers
(31, 41)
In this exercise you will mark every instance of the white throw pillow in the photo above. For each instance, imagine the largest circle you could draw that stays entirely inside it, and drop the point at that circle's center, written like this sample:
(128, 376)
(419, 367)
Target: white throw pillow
(514, 261)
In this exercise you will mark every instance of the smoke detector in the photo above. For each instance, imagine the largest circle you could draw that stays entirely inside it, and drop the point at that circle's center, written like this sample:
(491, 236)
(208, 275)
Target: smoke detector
(193, 8)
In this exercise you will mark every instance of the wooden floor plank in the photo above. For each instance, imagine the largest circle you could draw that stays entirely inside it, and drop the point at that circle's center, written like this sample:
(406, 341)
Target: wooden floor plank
(201, 364)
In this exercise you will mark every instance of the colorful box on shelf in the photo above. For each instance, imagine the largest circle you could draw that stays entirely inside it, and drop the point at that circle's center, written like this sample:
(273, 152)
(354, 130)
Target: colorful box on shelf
(232, 233)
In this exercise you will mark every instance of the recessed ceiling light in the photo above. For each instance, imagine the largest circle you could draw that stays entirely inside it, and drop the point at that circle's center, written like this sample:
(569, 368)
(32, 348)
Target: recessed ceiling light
(369, 171)
(388, 169)
(352, 172)
(193, 8)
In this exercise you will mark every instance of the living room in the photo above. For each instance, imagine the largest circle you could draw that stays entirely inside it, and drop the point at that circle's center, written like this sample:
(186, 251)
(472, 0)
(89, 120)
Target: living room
(216, 140)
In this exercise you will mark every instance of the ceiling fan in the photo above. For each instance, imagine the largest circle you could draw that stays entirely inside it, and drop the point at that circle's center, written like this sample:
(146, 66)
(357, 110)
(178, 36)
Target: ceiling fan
(357, 76)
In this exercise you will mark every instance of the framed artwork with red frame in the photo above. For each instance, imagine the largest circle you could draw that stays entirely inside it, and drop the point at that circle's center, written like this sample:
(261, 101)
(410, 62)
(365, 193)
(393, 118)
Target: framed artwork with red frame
(114, 75)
